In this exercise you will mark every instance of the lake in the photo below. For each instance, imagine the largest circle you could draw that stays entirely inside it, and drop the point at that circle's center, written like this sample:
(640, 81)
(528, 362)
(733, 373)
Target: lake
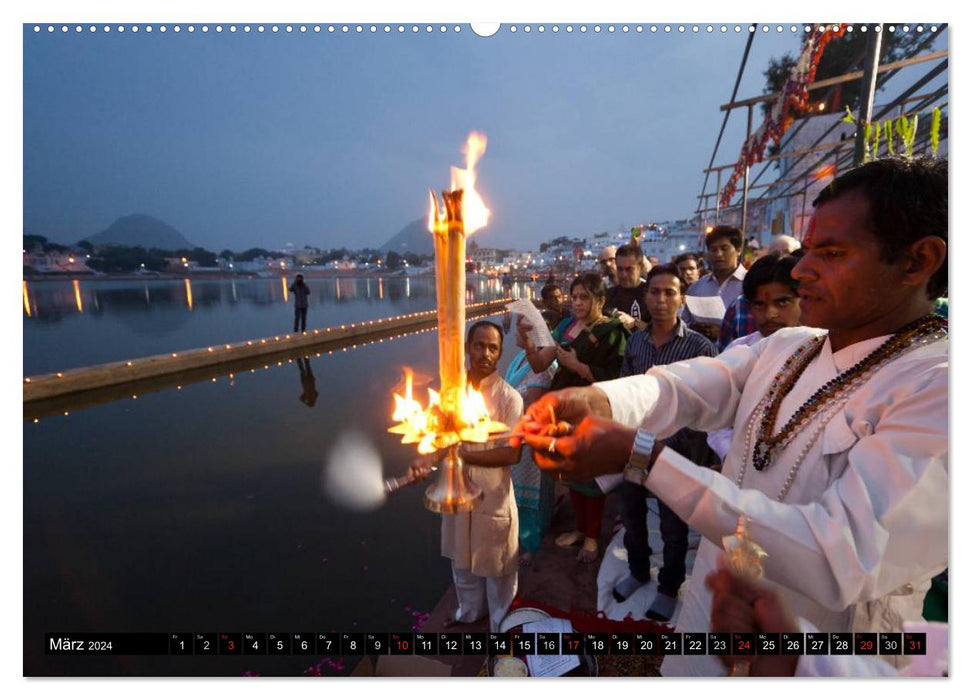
(200, 508)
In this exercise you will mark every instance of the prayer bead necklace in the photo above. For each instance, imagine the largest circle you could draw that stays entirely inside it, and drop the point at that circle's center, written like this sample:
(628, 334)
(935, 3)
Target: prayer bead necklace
(827, 400)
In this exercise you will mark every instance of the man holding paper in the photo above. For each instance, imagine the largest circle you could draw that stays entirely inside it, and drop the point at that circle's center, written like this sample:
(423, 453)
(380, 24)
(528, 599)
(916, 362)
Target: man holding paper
(710, 296)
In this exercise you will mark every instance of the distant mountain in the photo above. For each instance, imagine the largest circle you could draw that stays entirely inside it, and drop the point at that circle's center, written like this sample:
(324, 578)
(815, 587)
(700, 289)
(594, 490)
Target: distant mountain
(143, 230)
(413, 238)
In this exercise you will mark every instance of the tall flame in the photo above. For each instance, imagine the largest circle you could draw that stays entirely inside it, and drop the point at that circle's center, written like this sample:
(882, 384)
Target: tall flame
(474, 211)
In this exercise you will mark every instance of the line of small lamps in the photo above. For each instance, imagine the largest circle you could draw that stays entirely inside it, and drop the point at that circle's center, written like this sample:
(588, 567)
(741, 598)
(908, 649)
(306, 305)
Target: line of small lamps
(354, 346)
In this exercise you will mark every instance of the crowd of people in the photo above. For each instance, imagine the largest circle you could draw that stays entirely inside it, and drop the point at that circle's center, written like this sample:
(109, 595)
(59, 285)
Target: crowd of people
(816, 408)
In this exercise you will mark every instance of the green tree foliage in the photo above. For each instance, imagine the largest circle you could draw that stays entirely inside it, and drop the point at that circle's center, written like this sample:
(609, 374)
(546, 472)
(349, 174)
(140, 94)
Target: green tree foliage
(843, 55)
(31, 241)
(127, 259)
(253, 254)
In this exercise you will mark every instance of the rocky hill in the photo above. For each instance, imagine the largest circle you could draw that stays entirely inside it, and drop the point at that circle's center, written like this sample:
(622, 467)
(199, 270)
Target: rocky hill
(413, 238)
(141, 230)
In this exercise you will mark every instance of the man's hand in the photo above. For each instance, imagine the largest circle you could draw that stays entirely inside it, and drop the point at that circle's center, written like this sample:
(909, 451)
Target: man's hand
(421, 467)
(629, 321)
(570, 405)
(741, 604)
(596, 446)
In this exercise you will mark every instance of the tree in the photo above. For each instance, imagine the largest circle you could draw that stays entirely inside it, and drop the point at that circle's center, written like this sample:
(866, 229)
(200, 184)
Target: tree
(226, 254)
(85, 245)
(31, 240)
(842, 55)
(393, 261)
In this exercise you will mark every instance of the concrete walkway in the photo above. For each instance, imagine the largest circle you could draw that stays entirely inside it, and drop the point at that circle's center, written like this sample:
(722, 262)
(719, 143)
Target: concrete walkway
(244, 354)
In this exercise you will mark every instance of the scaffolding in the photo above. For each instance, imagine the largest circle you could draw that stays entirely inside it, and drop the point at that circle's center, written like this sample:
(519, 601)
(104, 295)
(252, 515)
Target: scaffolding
(806, 169)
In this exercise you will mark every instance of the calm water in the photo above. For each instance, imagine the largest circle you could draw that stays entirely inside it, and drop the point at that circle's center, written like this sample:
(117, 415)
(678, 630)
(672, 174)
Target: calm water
(200, 509)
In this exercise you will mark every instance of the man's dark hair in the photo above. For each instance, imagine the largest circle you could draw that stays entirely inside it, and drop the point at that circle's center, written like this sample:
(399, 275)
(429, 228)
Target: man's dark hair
(908, 201)
(685, 256)
(593, 282)
(668, 269)
(631, 249)
(480, 324)
(771, 267)
(547, 291)
(733, 235)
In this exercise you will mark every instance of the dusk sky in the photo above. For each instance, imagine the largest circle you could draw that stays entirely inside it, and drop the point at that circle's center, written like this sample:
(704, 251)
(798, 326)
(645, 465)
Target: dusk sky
(241, 140)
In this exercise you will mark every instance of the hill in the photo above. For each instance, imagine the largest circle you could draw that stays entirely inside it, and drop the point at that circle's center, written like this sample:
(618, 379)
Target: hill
(143, 230)
(413, 238)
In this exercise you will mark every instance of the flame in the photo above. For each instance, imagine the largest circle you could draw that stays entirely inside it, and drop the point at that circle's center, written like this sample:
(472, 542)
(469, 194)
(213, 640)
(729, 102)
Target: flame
(26, 300)
(475, 214)
(474, 211)
(429, 427)
(286, 295)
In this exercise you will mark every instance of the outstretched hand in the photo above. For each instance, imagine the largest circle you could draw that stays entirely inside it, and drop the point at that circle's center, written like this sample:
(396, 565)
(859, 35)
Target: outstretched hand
(596, 445)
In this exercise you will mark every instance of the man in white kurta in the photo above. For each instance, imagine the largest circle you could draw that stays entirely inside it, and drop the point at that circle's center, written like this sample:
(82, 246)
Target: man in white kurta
(484, 544)
(853, 508)
(863, 528)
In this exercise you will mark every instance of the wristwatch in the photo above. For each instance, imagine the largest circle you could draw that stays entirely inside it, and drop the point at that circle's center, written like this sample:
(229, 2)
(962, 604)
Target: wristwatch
(638, 465)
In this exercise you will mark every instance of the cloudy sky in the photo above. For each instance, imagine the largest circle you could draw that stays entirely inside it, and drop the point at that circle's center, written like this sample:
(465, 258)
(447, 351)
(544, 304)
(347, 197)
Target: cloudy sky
(333, 139)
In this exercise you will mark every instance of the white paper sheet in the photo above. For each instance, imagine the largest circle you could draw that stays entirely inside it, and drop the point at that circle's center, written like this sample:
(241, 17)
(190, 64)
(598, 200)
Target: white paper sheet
(709, 310)
(544, 665)
(540, 335)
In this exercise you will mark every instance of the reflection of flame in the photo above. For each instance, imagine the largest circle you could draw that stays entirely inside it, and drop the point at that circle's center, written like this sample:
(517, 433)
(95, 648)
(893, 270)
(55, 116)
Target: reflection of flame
(77, 296)
(431, 428)
(26, 300)
(286, 291)
(188, 293)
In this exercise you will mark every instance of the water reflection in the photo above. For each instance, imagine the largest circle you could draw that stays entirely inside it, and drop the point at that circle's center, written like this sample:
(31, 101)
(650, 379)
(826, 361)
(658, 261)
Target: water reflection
(188, 293)
(77, 296)
(307, 381)
(26, 300)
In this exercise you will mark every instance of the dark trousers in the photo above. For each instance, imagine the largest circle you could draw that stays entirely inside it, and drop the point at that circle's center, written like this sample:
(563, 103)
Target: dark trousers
(674, 535)
(299, 319)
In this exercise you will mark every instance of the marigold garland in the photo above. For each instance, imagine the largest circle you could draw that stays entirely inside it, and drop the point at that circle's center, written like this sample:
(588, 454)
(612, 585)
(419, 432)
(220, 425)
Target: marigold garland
(792, 102)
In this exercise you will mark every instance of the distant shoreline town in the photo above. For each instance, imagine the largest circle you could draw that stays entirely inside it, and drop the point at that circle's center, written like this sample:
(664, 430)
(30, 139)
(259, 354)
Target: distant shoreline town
(43, 259)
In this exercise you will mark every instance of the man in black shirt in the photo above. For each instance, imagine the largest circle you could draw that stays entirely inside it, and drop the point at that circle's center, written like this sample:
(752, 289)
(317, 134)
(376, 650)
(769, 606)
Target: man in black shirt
(628, 298)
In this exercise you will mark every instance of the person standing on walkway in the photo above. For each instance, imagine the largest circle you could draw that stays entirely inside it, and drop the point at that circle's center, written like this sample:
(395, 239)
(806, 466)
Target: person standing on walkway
(301, 292)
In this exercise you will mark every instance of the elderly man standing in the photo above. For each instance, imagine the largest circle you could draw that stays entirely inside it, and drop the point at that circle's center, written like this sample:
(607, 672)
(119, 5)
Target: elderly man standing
(484, 544)
(839, 457)
(608, 264)
(724, 244)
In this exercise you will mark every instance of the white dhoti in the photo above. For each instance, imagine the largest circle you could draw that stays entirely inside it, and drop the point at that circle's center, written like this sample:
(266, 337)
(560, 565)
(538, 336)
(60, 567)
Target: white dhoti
(478, 595)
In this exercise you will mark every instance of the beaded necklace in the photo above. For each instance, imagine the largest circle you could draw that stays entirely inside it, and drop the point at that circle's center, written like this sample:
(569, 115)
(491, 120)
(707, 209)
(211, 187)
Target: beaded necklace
(828, 399)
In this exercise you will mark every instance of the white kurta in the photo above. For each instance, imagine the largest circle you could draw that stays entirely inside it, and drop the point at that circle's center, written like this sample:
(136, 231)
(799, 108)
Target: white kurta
(854, 544)
(486, 540)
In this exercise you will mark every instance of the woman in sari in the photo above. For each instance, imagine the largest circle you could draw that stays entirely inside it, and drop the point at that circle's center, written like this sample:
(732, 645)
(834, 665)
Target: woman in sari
(590, 349)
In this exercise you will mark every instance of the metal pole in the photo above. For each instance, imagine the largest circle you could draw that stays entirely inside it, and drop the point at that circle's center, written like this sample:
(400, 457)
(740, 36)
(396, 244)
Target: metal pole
(748, 135)
(718, 198)
(867, 89)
